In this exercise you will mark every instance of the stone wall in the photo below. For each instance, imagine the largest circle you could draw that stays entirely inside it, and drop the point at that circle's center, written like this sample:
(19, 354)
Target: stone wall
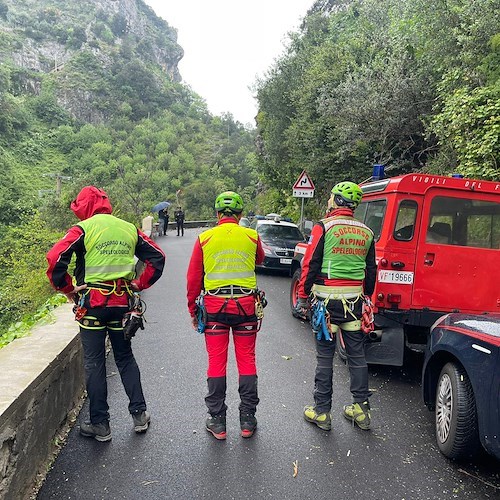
(42, 381)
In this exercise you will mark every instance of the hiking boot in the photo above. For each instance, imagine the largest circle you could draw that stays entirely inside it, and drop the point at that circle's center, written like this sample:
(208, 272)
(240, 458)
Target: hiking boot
(359, 414)
(322, 420)
(100, 432)
(141, 421)
(248, 424)
(217, 426)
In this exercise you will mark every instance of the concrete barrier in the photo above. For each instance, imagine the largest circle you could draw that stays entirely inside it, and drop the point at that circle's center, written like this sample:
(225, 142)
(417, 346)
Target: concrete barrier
(42, 381)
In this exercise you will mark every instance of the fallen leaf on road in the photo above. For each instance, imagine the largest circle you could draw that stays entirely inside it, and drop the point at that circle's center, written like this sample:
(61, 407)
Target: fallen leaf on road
(348, 452)
(145, 483)
(295, 468)
(287, 357)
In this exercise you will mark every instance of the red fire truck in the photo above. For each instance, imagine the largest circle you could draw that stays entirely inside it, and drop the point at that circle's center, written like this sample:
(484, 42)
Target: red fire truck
(438, 251)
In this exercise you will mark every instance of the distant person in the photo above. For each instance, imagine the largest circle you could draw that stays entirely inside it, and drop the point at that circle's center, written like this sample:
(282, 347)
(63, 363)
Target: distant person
(179, 219)
(103, 288)
(338, 268)
(164, 218)
(222, 270)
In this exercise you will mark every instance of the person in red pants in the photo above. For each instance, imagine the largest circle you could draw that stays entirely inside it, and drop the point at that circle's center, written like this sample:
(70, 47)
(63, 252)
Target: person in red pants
(222, 272)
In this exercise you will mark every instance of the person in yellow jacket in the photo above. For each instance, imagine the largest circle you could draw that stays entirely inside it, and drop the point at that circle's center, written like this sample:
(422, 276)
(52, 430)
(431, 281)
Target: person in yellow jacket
(105, 279)
(222, 270)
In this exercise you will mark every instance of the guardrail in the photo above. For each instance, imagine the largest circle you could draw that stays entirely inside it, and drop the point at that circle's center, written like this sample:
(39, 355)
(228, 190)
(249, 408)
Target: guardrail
(152, 228)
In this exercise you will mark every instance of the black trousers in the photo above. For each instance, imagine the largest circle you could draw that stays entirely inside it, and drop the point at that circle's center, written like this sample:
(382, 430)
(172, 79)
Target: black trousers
(180, 228)
(93, 329)
(216, 396)
(355, 349)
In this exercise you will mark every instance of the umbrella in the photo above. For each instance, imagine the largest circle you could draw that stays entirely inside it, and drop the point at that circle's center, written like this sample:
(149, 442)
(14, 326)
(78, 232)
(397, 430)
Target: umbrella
(160, 206)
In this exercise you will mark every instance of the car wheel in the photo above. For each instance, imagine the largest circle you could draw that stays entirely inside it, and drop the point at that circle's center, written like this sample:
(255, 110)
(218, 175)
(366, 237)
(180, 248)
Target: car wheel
(294, 293)
(456, 418)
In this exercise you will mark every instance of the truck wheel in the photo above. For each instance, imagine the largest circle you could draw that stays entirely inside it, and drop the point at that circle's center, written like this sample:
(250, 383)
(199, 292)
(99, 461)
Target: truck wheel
(294, 293)
(456, 418)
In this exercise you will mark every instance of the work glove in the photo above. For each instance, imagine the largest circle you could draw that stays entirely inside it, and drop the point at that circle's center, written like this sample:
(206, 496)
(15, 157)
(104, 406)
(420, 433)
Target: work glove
(302, 306)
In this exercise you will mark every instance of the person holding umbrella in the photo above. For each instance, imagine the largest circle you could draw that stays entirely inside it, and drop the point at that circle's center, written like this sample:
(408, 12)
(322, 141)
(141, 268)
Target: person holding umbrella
(162, 210)
(164, 217)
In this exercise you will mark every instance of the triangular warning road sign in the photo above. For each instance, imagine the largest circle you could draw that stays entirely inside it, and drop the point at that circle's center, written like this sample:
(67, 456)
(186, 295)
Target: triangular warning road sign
(303, 182)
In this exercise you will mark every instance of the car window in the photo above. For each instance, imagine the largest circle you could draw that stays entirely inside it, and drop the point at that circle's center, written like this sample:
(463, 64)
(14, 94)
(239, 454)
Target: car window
(465, 222)
(372, 214)
(278, 231)
(405, 222)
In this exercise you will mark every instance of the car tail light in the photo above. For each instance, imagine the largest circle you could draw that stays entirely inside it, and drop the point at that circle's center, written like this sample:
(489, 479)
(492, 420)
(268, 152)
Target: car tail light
(393, 298)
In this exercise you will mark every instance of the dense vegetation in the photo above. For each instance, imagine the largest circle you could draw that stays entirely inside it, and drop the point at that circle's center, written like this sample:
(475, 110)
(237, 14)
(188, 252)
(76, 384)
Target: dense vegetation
(91, 96)
(110, 117)
(412, 84)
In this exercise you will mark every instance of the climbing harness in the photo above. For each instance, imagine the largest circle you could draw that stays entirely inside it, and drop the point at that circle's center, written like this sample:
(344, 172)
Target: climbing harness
(134, 318)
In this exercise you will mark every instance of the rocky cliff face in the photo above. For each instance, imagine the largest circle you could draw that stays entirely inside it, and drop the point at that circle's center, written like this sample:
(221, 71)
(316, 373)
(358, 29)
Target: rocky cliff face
(43, 37)
(39, 53)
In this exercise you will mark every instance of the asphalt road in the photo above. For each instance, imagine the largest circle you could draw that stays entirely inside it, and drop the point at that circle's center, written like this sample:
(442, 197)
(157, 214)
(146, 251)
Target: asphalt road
(177, 458)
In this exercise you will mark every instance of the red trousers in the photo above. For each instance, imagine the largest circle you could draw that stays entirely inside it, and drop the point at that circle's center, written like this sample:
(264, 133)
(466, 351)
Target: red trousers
(217, 343)
(224, 316)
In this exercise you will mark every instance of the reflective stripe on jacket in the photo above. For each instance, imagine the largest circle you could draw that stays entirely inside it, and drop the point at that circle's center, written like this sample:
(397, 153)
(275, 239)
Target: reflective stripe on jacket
(229, 253)
(110, 247)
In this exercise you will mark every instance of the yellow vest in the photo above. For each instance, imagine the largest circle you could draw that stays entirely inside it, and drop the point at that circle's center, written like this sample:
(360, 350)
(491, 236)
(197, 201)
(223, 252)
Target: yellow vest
(110, 247)
(229, 252)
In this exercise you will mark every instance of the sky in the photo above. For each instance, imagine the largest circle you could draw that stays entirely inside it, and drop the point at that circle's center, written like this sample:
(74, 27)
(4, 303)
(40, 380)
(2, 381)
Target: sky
(228, 44)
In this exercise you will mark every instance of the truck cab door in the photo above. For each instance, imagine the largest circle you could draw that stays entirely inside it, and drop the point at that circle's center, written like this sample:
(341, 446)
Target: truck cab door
(457, 254)
(396, 254)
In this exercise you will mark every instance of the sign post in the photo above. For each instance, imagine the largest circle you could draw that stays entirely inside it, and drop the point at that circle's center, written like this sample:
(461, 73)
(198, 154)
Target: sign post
(303, 188)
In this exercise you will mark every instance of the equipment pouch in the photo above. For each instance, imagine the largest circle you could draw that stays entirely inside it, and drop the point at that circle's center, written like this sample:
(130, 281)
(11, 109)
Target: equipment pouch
(367, 317)
(260, 303)
(134, 319)
(320, 321)
(79, 310)
(201, 313)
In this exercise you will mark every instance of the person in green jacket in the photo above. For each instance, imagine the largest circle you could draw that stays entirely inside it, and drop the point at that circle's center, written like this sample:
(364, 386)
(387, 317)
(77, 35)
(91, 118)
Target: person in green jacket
(338, 270)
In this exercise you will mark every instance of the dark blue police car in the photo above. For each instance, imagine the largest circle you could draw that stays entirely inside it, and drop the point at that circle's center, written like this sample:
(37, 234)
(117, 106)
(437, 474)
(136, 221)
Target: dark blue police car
(461, 382)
